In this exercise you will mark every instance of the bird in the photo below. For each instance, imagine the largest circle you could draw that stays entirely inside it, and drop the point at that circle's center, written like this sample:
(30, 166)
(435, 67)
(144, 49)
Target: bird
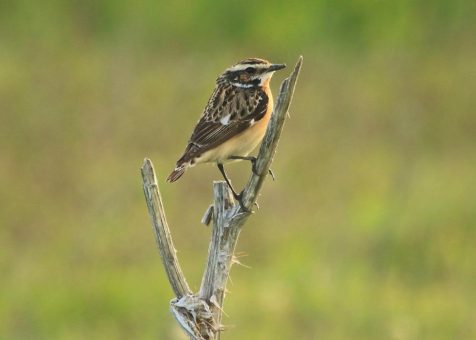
(234, 120)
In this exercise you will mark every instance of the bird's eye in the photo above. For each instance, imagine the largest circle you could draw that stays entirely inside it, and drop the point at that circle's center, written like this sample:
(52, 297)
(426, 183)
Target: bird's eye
(250, 70)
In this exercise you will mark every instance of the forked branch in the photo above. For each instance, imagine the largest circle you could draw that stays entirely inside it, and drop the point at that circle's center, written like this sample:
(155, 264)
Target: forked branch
(200, 314)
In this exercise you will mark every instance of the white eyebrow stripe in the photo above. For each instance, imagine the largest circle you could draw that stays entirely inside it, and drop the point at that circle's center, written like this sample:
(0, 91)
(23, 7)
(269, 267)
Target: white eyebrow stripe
(241, 67)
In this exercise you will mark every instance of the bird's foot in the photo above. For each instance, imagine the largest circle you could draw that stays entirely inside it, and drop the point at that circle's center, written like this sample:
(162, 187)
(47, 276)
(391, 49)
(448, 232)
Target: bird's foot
(254, 168)
(239, 198)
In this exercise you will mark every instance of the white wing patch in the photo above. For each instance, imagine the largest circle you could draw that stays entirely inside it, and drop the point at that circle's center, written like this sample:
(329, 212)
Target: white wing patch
(225, 120)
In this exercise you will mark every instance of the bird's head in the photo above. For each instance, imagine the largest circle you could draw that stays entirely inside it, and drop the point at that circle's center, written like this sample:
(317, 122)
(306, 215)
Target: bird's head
(251, 72)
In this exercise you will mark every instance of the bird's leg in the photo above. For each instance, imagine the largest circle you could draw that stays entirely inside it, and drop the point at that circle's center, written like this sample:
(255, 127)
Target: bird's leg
(253, 160)
(237, 197)
(222, 170)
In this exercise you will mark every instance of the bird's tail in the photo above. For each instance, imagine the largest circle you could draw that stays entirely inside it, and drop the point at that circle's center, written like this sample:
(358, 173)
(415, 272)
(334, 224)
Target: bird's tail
(177, 173)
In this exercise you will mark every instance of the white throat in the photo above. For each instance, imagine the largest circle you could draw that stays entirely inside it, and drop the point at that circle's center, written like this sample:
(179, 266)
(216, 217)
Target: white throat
(265, 77)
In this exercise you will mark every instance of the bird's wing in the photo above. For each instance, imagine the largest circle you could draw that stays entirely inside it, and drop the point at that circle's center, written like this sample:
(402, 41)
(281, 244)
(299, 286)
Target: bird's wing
(229, 112)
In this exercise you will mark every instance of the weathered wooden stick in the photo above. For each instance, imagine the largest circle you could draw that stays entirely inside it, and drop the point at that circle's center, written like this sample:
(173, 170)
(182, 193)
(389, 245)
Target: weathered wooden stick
(200, 314)
(161, 231)
(220, 253)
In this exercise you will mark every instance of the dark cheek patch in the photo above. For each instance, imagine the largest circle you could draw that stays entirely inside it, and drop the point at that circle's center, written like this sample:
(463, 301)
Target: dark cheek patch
(256, 82)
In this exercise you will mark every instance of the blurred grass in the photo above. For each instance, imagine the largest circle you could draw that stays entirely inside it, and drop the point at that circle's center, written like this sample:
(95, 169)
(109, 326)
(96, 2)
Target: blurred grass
(368, 232)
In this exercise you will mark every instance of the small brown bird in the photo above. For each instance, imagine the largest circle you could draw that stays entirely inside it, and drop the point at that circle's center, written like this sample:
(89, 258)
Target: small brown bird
(234, 120)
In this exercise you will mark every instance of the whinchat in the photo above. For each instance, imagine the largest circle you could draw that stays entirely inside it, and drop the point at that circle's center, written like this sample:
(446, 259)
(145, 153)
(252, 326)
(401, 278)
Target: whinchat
(234, 120)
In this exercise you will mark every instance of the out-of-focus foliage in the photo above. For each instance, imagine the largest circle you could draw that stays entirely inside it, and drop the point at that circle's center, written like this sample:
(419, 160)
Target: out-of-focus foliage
(368, 232)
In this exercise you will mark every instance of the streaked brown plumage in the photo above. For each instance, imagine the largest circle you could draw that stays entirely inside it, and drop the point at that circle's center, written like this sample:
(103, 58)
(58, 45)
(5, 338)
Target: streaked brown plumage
(235, 118)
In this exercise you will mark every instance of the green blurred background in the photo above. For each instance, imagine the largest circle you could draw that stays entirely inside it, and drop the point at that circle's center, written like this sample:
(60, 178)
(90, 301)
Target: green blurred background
(368, 232)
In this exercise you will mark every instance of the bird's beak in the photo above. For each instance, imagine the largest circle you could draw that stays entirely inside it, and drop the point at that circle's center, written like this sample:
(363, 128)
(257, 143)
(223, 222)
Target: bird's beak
(275, 67)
